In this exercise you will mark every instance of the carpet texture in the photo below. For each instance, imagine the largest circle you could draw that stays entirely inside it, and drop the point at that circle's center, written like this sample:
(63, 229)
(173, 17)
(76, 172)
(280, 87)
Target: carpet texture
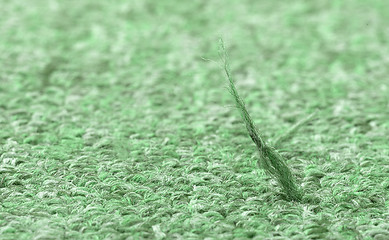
(116, 121)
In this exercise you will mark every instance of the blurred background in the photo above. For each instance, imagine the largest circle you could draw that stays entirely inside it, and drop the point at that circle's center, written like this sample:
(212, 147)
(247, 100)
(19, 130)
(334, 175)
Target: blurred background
(146, 67)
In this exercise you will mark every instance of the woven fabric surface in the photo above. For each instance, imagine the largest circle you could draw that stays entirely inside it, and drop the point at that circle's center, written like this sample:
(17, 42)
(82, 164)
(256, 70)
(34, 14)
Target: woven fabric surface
(116, 121)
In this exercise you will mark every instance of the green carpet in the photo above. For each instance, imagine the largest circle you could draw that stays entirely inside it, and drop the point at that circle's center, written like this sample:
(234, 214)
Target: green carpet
(116, 121)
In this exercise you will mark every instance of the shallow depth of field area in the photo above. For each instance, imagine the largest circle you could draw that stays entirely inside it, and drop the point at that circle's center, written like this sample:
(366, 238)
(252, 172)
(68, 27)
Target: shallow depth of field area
(116, 121)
